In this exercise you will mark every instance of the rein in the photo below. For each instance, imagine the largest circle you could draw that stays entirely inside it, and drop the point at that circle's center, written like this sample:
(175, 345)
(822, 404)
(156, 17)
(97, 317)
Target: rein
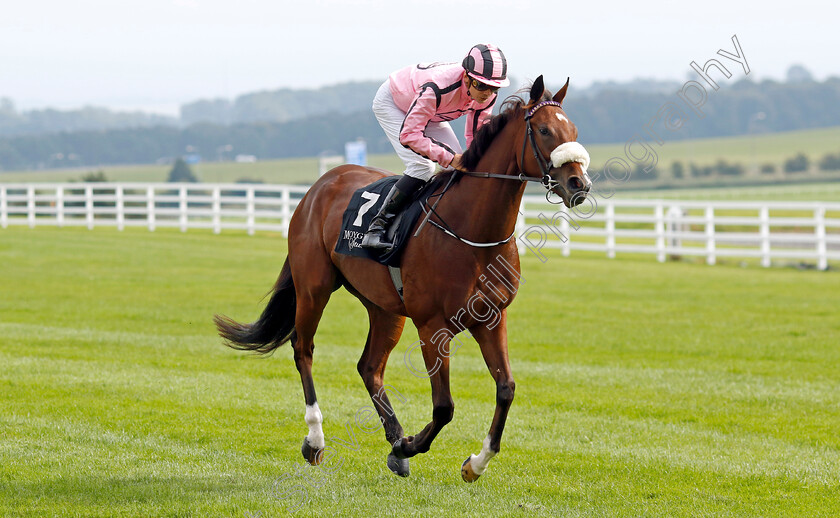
(445, 226)
(450, 232)
(547, 181)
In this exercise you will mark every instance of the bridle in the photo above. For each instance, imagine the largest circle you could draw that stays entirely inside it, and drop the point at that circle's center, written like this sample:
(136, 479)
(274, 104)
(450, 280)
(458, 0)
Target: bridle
(545, 164)
(546, 180)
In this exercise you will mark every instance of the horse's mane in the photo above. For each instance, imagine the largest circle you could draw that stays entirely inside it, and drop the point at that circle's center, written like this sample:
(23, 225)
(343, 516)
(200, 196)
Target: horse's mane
(512, 107)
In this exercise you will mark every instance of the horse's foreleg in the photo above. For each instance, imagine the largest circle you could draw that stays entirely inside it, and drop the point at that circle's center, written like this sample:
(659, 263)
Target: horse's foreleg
(493, 344)
(435, 343)
(385, 331)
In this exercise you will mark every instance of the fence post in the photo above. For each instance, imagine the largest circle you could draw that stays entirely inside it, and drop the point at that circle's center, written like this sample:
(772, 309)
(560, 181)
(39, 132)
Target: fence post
(89, 206)
(249, 210)
(819, 230)
(4, 207)
(764, 230)
(30, 206)
(674, 227)
(610, 228)
(659, 227)
(217, 210)
(710, 235)
(150, 207)
(565, 230)
(120, 207)
(285, 210)
(59, 206)
(182, 208)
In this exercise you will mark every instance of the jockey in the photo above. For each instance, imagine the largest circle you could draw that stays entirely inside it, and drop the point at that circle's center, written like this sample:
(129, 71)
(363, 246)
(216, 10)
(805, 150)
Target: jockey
(414, 106)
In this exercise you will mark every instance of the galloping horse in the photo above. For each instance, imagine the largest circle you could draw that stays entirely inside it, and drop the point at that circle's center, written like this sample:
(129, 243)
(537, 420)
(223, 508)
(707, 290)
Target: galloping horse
(440, 274)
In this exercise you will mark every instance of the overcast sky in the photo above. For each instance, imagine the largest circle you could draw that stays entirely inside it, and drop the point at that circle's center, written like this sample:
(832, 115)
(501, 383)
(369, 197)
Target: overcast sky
(156, 54)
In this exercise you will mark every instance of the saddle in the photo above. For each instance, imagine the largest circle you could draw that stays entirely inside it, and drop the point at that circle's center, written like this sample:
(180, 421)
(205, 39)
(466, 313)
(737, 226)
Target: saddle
(363, 206)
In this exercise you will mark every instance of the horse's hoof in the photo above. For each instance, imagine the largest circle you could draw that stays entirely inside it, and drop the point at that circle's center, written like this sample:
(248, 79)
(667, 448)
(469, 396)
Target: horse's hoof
(312, 455)
(467, 472)
(398, 466)
(398, 451)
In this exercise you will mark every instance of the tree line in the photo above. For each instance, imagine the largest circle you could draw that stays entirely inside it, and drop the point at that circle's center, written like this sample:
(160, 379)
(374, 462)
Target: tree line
(14, 122)
(797, 164)
(297, 123)
(266, 140)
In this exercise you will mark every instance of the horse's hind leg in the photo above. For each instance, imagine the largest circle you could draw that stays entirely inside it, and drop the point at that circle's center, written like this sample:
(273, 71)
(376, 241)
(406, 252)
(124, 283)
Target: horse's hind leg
(313, 286)
(384, 333)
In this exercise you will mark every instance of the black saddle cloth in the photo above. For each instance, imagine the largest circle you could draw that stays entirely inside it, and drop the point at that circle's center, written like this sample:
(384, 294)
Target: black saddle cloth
(364, 205)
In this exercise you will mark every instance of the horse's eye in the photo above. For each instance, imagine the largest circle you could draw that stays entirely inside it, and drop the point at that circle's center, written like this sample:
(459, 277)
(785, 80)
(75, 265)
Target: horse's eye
(544, 131)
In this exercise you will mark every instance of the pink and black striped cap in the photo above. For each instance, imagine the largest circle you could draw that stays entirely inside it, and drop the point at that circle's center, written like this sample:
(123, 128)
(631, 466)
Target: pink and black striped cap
(486, 63)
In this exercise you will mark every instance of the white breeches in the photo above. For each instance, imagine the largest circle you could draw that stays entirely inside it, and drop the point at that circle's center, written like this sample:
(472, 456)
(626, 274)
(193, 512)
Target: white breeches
(391, 118)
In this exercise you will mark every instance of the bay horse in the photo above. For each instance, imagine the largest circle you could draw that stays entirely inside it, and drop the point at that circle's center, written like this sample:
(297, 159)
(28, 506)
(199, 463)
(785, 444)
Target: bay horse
(441, 275)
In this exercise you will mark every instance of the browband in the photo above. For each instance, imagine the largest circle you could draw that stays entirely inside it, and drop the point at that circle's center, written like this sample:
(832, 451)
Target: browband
(533, 110)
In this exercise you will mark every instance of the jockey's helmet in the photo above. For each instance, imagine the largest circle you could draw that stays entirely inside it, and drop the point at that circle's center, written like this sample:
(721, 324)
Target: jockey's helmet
(486, 63)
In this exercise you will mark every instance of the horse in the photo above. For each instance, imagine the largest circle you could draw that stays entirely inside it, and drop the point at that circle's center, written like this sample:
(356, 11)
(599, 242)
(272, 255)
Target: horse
(441, 271)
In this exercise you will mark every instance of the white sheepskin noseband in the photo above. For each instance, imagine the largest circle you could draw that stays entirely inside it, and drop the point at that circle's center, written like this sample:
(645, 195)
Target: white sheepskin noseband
(570, 152)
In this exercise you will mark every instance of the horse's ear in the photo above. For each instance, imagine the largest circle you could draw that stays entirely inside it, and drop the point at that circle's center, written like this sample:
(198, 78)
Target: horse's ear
(537, 89)
(561, 93)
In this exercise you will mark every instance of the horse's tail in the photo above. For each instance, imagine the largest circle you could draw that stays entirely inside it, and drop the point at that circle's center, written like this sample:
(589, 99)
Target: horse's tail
(275, 326)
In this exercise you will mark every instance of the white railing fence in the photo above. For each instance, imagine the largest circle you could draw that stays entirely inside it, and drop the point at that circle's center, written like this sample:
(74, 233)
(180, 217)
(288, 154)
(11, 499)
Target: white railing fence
(249, 207)
(801, 231)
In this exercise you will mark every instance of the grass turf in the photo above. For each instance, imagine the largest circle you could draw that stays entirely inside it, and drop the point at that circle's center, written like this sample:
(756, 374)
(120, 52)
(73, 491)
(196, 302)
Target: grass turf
(643, 389)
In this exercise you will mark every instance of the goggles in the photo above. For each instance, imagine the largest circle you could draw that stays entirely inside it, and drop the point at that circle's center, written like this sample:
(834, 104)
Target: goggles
(481, 87)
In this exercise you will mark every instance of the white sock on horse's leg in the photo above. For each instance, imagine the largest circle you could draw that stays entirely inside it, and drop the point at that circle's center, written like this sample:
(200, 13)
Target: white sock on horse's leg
(313, 418)
(479, 462)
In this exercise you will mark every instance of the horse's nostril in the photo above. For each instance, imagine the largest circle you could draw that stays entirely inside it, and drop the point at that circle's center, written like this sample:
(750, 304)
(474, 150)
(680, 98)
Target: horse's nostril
(575, 183)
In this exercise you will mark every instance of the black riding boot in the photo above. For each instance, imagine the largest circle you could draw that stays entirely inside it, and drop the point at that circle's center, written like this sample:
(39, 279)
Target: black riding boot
(395, 200)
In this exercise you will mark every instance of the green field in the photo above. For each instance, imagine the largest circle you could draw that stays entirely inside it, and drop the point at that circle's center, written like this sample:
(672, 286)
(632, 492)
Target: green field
(643, 389)
(750, 151)
(291, 170)
(772, 148)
